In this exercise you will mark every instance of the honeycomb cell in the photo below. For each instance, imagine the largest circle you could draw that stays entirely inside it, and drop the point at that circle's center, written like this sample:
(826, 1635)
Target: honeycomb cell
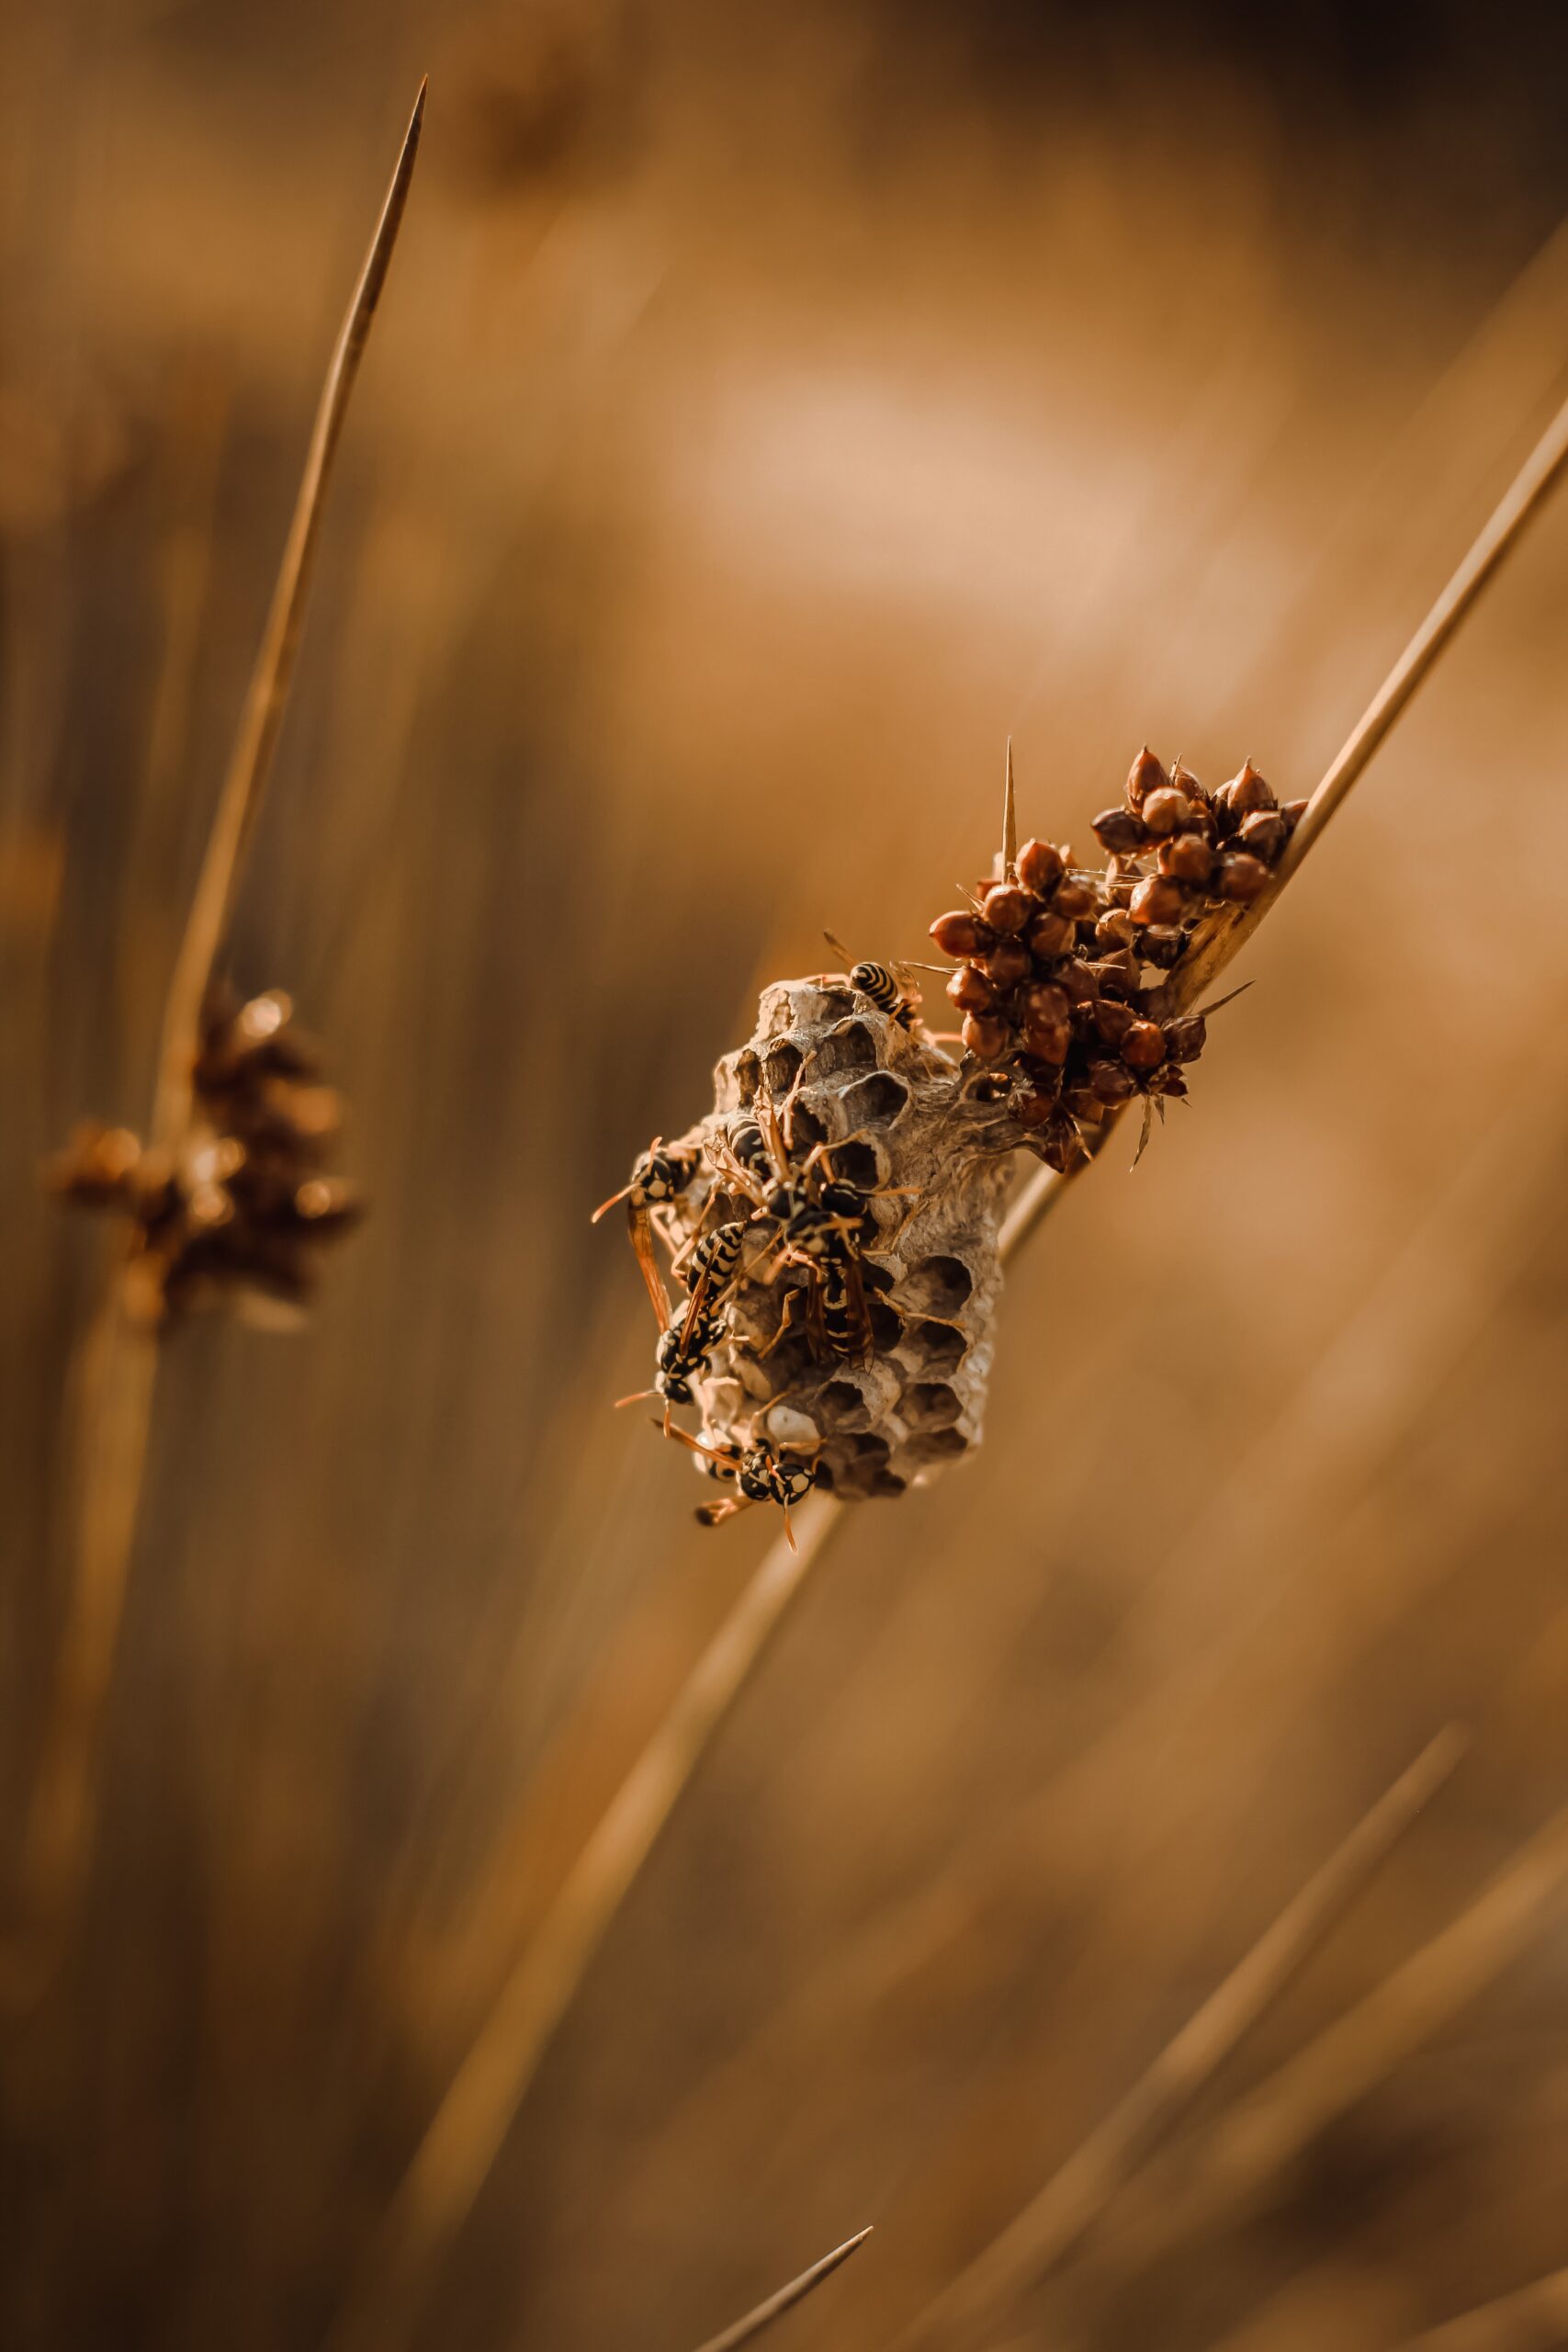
(877, 1101)
(940, 1285)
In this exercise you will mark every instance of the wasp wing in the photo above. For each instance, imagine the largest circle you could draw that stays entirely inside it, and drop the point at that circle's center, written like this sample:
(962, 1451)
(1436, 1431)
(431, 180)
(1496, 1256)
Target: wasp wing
(647, 1264)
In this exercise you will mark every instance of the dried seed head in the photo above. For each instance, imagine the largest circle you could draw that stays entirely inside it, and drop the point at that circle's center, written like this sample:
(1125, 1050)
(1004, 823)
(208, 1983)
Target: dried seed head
(962, 934)
(1185, 1037)
(1041, 866)
(1156, 900)
(970, 990)
(1052, 934)
(1242, 878)
(1112, 1021)
(1074, 897)
(1121, 831)
(1142, 1048)
(1161, 945)
(1263, 833)
(1009, 962)
(1188, 858)
(1008, 909)
(1145, 777)
(1110, 1083)
(1166, 811)
(1245, 792)
(984, 1037)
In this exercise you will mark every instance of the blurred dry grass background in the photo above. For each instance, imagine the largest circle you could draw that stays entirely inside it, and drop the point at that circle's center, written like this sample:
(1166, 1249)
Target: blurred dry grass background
(770, 411)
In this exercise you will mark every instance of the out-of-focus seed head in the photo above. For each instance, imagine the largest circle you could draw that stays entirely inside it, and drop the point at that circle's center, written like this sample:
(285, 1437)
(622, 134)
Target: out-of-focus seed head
(1074, 897)
(1115, 930)
(1051, 935)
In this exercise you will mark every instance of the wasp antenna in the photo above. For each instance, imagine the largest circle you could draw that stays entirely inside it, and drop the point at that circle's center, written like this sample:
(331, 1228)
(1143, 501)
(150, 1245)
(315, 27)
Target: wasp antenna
(605, 1206)
(1009, 822)
(839, 948)
(636, 1399)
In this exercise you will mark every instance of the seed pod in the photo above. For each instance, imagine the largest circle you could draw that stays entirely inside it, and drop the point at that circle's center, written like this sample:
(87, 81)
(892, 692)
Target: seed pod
(1048, 1041)
(1184, 1038)
(970, 990)
(1083, 1104)
(1166, 1080)
(1041, 866)
(1242, 877)
(1061, 1145)
(1008, 909)
(1032, 1109)
(1156, 900)
(1263, 833)
(1080, 983)
(985, 1037)
(1187, 858)
(1116, 975)
(1112, 1021)
(1051, 935)
(1142, 1048)
(1074, 897)
(1115, 930)
(962, 934)
(1244, 792)
(1161, 945)
(1121, 831)
(1292, 813)
(1184, 781)
(1145, 777)
(1110, 1083)
(1045, 1000)
(1008, 963)
(1166, 811)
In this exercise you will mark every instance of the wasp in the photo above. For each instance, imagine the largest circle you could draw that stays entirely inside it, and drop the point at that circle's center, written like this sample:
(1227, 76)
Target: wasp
(687, 1339)
(760, 1476)
(890, 986)
(658, 1175)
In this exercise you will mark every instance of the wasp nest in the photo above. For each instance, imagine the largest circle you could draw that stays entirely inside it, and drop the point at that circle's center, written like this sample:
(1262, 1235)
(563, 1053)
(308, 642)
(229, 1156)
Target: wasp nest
(887, 1117)
(240, 1202)
(834, 1221)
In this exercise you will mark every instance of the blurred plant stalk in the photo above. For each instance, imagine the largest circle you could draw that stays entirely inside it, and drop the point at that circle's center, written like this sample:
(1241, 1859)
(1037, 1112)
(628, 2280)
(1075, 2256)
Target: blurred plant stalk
(117, 1371)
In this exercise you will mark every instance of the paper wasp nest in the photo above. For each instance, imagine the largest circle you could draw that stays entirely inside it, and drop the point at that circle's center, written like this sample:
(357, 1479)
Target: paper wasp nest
(933, 1165)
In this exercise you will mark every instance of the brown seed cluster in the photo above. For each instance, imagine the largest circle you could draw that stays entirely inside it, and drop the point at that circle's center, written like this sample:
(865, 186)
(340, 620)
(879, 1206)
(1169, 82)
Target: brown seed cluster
(1065, 974)
(240, 1202)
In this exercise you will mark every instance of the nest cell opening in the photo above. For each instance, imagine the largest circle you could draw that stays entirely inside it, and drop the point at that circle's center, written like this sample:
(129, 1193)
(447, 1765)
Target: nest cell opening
(806, 1129)
(853, 1046)
(841, 1405)
(930, 1405)
(938, 1445)
(939, 1286)
(886, 1325)
(783, 1066)
(937, 1347)
(748, 1077)
(859, 1164)
(876, 1101)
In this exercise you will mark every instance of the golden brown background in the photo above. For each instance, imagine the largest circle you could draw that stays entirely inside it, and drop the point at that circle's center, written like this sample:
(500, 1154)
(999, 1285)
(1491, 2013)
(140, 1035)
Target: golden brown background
(771, 409)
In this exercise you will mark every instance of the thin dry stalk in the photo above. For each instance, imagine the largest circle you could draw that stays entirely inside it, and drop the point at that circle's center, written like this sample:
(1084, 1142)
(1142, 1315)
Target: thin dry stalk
(460, 2144)
(745, 2331)
(1056, 2221)
(119, 1370)
(1251, 2147)
(1532, 2319)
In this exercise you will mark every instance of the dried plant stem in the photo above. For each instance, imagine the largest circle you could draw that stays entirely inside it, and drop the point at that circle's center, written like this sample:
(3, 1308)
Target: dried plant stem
(1049, 2227)
(1525, 497)
(450, 2163)
(118, 1368)
(266, 697)
(1230, 2175)
(1530, 2320)
(745, 2331)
